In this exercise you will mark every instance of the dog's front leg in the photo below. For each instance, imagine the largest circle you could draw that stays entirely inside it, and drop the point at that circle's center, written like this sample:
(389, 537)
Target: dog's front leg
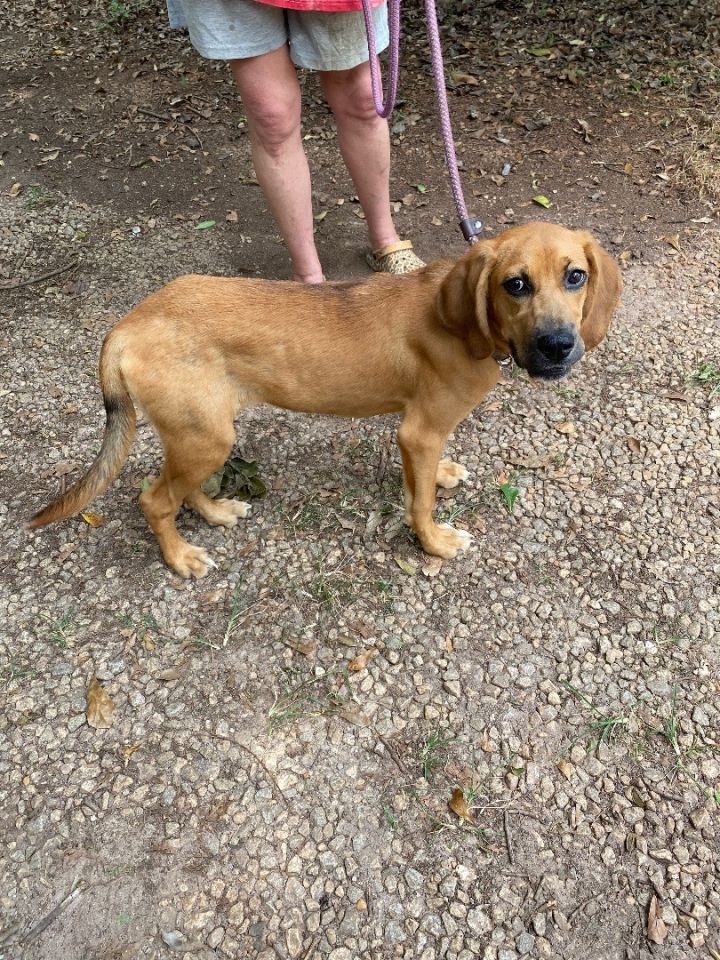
(421, 447)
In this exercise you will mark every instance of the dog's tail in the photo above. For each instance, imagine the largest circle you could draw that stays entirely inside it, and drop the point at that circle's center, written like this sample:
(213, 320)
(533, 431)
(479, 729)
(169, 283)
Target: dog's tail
(119, 435)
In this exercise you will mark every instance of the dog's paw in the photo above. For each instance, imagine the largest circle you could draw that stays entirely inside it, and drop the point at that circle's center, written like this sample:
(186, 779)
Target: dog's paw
(450, 474)
(229, 511)
(446, 542)
(191, 561)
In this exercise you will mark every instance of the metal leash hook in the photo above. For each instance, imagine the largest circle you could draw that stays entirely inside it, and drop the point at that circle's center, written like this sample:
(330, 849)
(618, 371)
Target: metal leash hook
(471, 227)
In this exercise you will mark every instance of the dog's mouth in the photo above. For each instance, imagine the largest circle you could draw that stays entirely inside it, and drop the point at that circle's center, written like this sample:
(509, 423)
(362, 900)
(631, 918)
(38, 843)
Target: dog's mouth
(549, 356)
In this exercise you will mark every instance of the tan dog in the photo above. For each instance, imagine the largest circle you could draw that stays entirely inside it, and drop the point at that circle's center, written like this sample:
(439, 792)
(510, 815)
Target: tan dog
(196, 352)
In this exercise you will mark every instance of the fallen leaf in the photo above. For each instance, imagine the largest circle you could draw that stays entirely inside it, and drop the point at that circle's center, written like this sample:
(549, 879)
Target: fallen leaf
(565, 427)
(585, 128)
(100, 708)
(464, 78)
(458, 805)
(93, 519)
(53, 155)
(306, 647)
(361, 661)
(167, 675)
(232, 216)
(565, 768)
(15, 189)
(676, 395)
(656, 929)
(628, 168)
(673, 240)
(634, 444)
(205, 224)
(541, 52)
(353, 714)
(406, 567)
(129, 751)
(542, 201)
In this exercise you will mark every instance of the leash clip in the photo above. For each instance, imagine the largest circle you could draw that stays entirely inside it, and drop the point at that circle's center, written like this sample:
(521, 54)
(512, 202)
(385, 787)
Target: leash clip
(471, 228)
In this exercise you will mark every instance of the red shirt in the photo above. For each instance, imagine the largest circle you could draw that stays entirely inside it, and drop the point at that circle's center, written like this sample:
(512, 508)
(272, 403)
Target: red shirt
(321, 6)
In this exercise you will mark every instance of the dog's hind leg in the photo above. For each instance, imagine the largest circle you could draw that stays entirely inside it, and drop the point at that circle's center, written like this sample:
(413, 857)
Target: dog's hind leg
(190, 458)
(218, 513)
(449, 474)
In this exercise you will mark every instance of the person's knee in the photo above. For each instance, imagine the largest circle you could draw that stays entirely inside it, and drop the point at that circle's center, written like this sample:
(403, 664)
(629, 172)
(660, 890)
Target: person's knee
(274, 123)
(349, 94)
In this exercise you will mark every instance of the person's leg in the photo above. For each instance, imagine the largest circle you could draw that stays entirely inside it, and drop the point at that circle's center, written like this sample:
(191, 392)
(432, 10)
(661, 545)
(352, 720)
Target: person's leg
(270, 92)
(364, 141)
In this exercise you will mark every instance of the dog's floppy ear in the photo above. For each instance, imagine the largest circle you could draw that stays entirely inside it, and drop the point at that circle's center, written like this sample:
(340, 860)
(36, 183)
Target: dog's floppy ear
(462, 300)
(604, 289)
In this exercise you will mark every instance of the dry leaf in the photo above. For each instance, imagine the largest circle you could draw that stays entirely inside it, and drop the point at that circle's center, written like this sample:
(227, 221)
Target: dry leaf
(628, 168)
(406, 567)
(353, 714)
(458, 805)
(232, 216)
(100, 708)
(93, 519)
(53, 155)
(565, 768)
(565, 427)
(585, 128)
(15, 189)
(167, 675)
(676, 395)
(656, 929)
(634, 444)
(493, 405)
(361, 661)
(129, 751)
(673, 240)
(306, 647)
(467, 78)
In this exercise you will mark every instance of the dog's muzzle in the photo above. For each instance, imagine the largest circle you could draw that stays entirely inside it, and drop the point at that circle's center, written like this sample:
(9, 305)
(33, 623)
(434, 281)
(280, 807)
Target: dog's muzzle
(551, 353)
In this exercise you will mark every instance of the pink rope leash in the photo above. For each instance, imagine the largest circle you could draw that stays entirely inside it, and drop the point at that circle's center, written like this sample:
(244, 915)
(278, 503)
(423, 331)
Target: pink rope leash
(470, 226)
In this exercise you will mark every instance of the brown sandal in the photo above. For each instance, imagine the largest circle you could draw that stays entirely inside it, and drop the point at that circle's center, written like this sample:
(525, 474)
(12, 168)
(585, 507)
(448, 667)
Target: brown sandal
(397, 257)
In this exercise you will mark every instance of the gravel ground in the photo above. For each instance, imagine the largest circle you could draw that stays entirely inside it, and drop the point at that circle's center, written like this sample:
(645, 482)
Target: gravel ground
(329, 747)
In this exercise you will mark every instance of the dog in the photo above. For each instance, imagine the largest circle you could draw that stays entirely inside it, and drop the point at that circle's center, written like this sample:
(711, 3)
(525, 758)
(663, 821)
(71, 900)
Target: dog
(424, 345)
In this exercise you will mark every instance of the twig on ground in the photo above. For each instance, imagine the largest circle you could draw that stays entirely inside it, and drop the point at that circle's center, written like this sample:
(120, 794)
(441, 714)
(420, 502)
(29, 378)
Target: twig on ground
(250, 753)
(43, 924)
(43, 276)
(508, 837)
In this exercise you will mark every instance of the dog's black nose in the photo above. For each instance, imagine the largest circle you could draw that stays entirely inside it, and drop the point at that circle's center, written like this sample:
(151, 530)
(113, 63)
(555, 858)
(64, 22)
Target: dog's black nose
(556, 346)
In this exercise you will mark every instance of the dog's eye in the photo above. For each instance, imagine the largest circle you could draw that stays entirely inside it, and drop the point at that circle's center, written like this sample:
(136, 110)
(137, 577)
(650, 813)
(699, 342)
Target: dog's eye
(517, 287)
(575, 279)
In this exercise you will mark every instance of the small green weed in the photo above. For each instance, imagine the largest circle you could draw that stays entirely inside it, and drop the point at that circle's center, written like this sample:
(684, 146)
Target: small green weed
(119, 13)
(509, 487)
(707, 373)
(391, 818)
(312, 696)
(433, 754)
(59, 631)
(603, 728)
(39, 197)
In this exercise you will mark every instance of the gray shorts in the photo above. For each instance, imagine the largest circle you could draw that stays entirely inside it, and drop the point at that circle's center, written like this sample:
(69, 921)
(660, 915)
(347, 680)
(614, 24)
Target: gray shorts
(237, 29)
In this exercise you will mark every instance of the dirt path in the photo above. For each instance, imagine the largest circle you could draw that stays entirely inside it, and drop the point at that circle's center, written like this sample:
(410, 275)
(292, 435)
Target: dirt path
(254, 795)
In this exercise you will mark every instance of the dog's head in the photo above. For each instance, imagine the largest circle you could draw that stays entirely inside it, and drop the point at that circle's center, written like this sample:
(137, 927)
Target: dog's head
(541, 292)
